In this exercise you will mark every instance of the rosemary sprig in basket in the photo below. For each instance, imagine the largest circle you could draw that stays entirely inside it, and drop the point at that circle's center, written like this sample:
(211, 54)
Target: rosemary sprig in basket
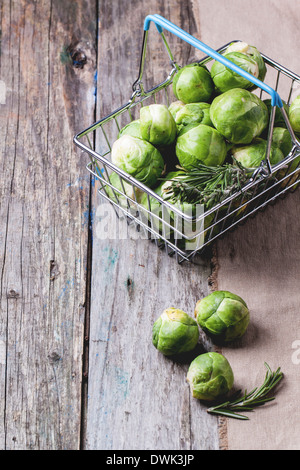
(208, 185)
(248, 401)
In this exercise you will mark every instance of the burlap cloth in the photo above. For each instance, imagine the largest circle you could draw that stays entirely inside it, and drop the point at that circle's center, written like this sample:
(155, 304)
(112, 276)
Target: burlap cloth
(260, 261)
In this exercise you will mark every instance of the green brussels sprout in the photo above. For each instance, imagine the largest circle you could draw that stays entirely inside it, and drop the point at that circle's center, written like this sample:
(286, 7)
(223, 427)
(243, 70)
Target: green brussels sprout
(175, 332)
(174, 107)
(138, 158)
(222, 315)
(279, 119)
(294, 114)
(123, 187)
(250, 156)
(210, 376)
(199, 143)
(157, 124)
(133, 129)
(239, 115)
(282, 139)
(159, 218)
(251, 51)
(193, 113)
(225, 79)
(193, 83)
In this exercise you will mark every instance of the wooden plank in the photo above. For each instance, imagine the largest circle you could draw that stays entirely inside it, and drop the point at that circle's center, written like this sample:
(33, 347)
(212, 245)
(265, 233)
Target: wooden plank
(138, 399)
(46, 96)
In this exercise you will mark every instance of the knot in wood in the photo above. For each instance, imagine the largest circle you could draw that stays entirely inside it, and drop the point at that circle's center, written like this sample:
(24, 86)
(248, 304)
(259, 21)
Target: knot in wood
(12, 294)
(79, 58)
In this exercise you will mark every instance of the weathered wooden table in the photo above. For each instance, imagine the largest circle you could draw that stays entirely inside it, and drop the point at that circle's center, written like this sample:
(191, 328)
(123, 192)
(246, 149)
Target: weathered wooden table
(78, 370)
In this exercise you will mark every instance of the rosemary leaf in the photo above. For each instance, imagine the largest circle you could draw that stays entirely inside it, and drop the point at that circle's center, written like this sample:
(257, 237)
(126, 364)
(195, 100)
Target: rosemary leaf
(248, 401)
(207, 185)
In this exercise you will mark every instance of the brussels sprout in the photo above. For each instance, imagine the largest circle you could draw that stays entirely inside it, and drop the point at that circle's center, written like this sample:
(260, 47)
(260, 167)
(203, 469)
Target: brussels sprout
(294, 114)
(250, 156)
(193, 113)
(174, 107)
(159, 218)
(210, 376)
(193, 83)
(279, 119)
(138, 158)
(282, 139)
(157, 124)
(222, 315)
(225, 79)
(175, 332)
(199, 143)
(123, 189)
(253, 52)
(133, 129)
(239, 115)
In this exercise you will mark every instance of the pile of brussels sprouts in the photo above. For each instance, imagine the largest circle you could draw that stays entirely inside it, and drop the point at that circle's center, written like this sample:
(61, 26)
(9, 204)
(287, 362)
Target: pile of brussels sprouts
(215, 118)
(224, 317)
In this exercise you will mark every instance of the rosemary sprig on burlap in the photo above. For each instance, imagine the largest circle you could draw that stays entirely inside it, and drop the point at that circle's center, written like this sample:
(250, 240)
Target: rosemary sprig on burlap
(208, 185)
(248, 401)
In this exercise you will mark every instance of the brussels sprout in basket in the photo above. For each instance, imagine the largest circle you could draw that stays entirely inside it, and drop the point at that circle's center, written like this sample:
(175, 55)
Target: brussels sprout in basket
(225, 79)
(279, 119)
(122, 192)
(193, 83)
(239, 115)
(251, 51)
(157, 124)
(223, 315)
(174, 107)
(133, 129)
(251, 156)
(294, 114)
(281, 138)
(138, 158)
(191, 113)
(199, 143)
(175, 332)
(210, 376)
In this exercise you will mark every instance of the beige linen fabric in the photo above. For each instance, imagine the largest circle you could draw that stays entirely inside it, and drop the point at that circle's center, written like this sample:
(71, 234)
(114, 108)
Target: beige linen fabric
(260, 261)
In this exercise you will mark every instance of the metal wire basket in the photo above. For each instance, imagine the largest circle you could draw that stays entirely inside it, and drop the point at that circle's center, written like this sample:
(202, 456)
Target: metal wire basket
(183, 234)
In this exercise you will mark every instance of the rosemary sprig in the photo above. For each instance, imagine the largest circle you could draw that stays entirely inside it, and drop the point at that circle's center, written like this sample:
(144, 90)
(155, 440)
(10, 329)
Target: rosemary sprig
(208, 185)
(248, 401)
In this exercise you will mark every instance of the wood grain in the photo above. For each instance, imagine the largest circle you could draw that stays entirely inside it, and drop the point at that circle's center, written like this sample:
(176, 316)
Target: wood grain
(138, 399)
(47, 72)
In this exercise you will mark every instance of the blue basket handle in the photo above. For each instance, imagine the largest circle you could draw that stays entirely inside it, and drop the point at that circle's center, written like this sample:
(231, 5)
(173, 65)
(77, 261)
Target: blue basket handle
(161, 23)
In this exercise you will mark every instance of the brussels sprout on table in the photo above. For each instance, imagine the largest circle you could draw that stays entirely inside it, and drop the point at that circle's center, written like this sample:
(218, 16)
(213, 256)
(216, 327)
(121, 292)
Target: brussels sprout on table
(210, 376)
(250, 156)
(239, 115)
(252, 51)
(193, 83)
(133, 129)
(199, 143)
(225, 79)
(175, 332)
(294, 114)
(157, 124)
(138, 158)
(222, 315)
(192, 113)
